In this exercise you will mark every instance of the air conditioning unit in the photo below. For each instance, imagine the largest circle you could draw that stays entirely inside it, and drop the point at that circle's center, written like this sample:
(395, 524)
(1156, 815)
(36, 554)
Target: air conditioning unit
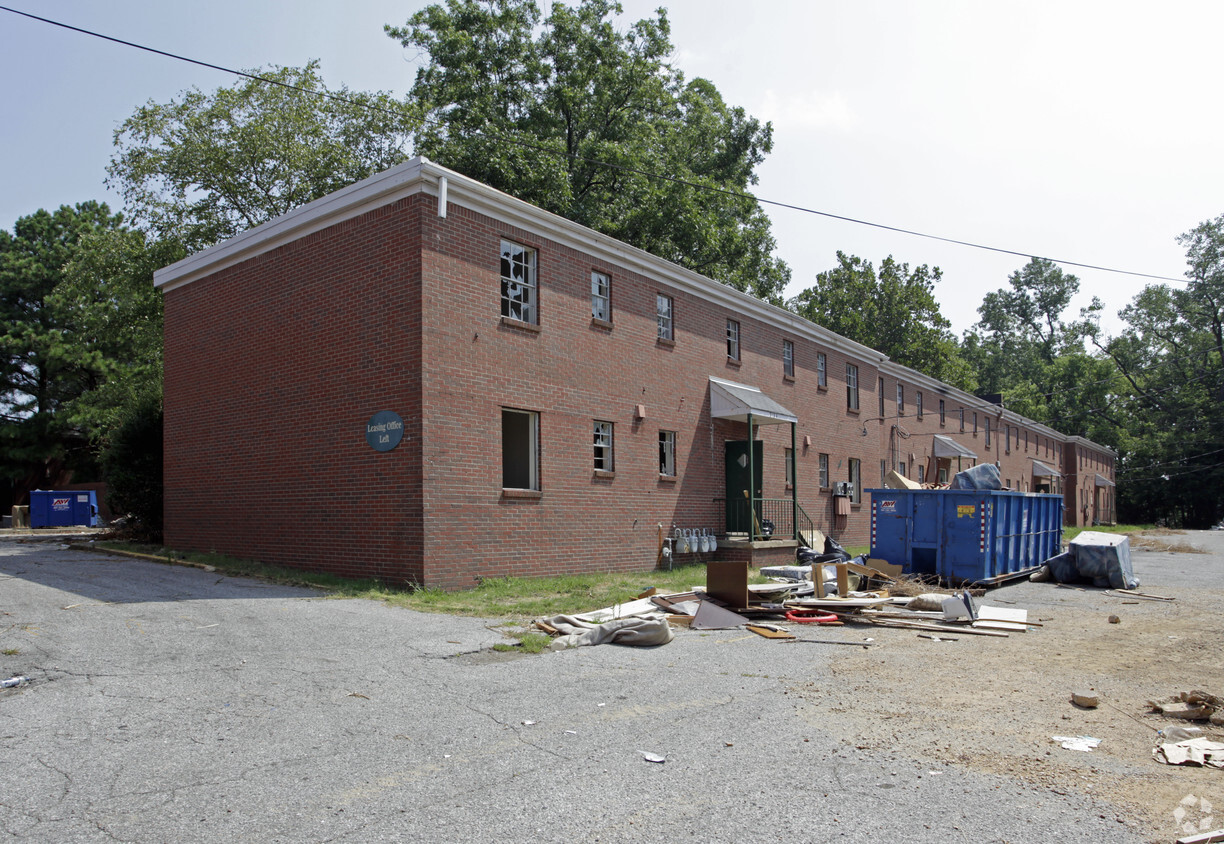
(842, 488)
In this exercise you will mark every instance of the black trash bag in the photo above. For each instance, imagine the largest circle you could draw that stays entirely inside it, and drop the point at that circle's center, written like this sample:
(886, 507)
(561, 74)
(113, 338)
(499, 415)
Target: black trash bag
(1063, 569)
(834, 549)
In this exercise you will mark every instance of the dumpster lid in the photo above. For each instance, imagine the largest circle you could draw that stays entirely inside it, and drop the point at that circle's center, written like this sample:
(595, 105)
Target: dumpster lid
(729, 400)
(1041, 470)
(948, 447)
(1101, 480)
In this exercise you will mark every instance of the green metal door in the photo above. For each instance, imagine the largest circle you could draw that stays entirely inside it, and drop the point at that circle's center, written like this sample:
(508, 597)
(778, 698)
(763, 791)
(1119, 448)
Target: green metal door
(739, 519)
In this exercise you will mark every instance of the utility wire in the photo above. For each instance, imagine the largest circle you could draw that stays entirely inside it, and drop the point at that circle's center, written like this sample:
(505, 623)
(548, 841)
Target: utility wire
(620, 167)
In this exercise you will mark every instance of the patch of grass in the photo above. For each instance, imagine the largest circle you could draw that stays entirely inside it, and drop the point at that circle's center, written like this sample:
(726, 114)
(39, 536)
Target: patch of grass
(1070, 533)
(530, 642)
(11, 652)
(492, 597)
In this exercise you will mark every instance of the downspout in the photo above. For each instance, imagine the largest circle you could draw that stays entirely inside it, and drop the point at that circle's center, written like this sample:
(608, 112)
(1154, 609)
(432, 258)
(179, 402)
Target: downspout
(794, 487)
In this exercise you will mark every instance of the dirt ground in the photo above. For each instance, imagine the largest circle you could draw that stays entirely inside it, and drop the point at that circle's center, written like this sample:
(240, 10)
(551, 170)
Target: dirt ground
(993, 704)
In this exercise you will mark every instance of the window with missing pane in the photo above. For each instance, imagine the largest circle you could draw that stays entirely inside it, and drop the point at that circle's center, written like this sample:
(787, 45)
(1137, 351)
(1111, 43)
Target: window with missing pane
(733, 339)
(788, 358)
(518, 282)
(822, 378)
(603, 446)
(601, 302)
(667, 453)
(852, 391)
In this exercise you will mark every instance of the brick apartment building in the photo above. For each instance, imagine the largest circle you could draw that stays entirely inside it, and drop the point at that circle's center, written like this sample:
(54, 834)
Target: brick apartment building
(419, 378)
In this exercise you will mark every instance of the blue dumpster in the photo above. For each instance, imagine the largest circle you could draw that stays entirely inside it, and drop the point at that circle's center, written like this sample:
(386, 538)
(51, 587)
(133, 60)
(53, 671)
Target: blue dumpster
(62, 509)
(965, 534)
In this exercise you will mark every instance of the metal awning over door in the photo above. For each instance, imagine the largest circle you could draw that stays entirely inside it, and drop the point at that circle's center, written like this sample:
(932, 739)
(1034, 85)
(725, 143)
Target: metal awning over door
(948, 447)
(729, 400)
(1101, 480)
(1041, 470)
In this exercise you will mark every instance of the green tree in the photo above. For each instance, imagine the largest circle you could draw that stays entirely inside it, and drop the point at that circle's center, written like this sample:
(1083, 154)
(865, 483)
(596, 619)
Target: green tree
(894, 312)
(204, 167)
(540, 107)
(107, 299)
(1170, 355)
(43, 366)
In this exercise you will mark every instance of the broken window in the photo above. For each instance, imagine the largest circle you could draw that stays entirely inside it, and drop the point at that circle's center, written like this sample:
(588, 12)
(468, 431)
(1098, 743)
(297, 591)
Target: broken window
(603, 446)
(856, 480)
(518, 282)
(601, 302)
(520, 449)
(788, 457)
(733, 340)
(824, 471)
(900, 399)
(852, 392)
(667, 453)
(822, 379)
(788, 358)
(663, 311)
(918, 404)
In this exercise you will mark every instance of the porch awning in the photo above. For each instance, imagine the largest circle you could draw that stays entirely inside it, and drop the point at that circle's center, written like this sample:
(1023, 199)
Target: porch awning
(729, 400)
(1101, 480)
(1041, 470)
(948, 447)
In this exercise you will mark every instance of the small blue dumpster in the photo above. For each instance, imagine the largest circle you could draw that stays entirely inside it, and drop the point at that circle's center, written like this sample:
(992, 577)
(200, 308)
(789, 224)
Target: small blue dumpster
(965, 534)
(63, 509)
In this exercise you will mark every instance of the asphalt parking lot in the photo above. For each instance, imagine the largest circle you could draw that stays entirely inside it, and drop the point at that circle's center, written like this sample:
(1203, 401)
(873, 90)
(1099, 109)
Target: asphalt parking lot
(176, 704)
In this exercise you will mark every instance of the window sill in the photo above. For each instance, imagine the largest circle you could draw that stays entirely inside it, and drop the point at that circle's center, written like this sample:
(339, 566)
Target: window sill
(604, 473)
(665, 343)
(789, 379)
(521, 493)
(789, 487)
(529, 327)
(735, 363)
(601, 323)
(668, 479)
(821, 389)
(854, 411)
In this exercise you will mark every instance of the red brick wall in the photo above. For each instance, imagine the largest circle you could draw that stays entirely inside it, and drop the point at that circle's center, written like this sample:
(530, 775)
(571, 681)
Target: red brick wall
(274, 365)
(272, 368)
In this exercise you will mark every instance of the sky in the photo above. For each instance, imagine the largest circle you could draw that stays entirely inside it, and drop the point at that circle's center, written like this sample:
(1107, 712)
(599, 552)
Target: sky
(1081, 131)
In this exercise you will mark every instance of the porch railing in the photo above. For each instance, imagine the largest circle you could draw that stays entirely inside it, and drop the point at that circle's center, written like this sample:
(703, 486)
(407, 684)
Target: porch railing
(764, 518)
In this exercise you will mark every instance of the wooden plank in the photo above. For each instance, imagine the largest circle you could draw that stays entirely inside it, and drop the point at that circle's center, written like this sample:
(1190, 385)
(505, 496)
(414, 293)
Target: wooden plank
(769, 632)
(886, 567)
(727, 581)
(843, 580)
(1203, 838)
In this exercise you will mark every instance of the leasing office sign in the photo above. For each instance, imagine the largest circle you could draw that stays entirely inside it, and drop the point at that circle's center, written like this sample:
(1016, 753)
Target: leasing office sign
(384, 430)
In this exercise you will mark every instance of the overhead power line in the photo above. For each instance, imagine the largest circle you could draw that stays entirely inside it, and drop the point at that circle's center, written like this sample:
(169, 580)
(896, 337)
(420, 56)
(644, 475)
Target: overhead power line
(606, 164)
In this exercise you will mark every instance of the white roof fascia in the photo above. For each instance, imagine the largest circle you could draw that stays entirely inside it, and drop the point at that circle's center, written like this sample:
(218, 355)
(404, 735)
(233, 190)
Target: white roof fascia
(422, 175)
(1084, 441)
(358, 198)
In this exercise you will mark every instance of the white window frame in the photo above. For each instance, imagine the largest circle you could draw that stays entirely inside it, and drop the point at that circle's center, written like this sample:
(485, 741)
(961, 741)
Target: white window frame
(921, 474)
(852, 388)
(519, 293)
(601, 296)
(943, 413)
(900, 399)
(788, 358)
(533, 447)
(856, 480)
(667, 454)
(918, 404)
(822, 370)
(664, 315)
(790, 467)
(602, 442)
(824, 470)
(733, 339)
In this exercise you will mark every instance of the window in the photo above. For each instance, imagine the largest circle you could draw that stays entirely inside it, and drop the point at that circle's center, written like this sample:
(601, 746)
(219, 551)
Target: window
(962, 423)
(790, 467)
(788, 358)
(987, 420)
(603, 446)
(883, 472)
(1007, 432)
(856, 480)
(518, 282)
(852, 394)
(918, 404)
(901, 468)
(900, 399)
(667, 453)
(921, 474)
(975, 428)
(663, 310)
(520, 449)
(943, 418)
(822, 379)
(824, 471)
(601, 302)
(880, 395)
(733, 350)
(1026, 441)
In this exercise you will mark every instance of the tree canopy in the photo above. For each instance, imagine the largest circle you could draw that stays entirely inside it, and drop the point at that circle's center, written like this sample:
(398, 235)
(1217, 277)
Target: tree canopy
(894, 312)
(205, 167)
(592, 123)
(43, 366)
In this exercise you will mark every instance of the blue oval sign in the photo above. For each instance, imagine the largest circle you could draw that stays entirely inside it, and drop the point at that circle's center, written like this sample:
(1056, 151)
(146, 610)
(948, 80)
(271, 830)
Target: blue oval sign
(384, 430)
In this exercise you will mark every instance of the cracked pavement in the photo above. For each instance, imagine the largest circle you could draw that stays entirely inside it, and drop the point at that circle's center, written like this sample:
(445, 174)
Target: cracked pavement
(172, 704)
